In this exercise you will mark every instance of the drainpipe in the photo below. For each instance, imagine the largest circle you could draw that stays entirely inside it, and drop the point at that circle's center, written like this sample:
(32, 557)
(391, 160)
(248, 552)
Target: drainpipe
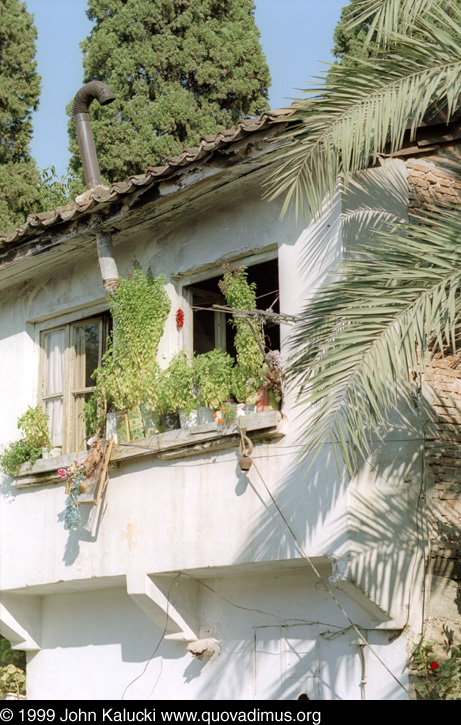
(80, 112)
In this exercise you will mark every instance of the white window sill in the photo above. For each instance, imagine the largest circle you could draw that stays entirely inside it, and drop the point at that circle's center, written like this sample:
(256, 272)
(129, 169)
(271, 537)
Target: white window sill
(179, 443)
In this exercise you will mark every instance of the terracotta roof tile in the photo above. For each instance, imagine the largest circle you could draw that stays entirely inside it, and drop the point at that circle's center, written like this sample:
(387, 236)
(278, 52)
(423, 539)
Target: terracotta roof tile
(92, 198)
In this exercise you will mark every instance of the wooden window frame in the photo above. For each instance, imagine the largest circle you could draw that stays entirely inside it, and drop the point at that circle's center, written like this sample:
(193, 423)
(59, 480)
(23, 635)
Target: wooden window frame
(191, 280)
(72, 433)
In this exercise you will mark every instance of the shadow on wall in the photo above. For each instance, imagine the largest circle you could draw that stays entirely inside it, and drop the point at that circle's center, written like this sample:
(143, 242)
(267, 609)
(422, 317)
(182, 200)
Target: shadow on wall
(365, 211)
(374, 525)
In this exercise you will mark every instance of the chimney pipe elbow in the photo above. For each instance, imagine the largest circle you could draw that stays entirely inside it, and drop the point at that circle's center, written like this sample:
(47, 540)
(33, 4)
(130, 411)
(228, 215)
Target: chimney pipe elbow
(86, 95)
(80, 112)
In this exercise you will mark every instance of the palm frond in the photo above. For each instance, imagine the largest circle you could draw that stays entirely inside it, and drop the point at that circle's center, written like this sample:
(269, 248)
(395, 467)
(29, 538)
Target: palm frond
(387, 17)
(344, 124)
(363, 333)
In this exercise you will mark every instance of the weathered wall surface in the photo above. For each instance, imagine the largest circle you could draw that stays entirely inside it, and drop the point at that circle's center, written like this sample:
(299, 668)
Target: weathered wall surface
(435, 178)
(109, 650)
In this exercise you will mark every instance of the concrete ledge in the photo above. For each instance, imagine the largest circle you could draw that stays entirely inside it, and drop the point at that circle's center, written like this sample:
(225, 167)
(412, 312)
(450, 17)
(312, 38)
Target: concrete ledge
(173, 444)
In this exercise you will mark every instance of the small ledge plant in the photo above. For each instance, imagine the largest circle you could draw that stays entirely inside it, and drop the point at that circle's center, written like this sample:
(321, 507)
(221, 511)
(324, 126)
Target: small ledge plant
(29, 448)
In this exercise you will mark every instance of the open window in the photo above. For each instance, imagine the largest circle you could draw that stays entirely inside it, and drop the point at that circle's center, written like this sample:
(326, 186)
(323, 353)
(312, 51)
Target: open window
(212, 327)
(70, 354)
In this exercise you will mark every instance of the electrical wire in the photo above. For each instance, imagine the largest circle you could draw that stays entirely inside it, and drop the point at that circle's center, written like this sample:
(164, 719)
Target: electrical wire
(162, 636)
(327, 588)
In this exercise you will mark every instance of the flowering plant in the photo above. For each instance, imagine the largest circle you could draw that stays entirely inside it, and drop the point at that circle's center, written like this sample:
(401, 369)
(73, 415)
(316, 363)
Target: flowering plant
(438, 679)
(226, 414)
(76, 483)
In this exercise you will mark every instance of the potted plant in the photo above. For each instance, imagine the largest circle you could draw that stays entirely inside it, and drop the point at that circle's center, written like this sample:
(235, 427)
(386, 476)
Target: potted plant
(174, 392)
(256, 378)
(213, 378)
(34, 441)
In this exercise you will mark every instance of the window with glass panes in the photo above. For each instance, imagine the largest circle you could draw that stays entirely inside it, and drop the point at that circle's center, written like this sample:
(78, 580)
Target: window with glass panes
(70, 355)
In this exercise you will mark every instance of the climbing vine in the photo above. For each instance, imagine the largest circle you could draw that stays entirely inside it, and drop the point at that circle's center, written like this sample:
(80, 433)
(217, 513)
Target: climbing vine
(139, 307)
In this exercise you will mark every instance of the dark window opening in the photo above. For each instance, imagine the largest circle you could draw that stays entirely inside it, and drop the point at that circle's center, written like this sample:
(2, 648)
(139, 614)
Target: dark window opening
(214, 329)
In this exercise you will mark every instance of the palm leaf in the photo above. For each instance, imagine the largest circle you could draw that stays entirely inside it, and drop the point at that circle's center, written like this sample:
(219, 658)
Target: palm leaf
(363, 333)
(387, 17)
(343, 125)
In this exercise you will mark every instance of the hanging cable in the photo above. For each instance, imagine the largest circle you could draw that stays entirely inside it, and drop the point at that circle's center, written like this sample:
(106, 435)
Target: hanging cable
(327, 588)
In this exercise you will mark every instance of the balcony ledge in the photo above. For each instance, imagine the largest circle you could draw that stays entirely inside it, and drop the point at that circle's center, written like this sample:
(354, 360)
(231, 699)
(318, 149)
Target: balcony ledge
(180, 443)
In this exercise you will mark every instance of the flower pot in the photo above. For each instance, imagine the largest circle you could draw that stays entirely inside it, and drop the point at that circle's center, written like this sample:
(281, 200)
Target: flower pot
(266, 400)
(205, 415)
(152, 421)
(51, 452)
(188, 420)
(171, 421)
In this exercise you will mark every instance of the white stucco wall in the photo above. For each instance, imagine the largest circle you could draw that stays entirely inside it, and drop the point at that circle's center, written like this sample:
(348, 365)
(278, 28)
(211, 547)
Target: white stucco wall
(260, 654)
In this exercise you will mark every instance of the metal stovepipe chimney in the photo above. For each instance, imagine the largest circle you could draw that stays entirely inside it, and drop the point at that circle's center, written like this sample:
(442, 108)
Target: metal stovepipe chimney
(80, 112)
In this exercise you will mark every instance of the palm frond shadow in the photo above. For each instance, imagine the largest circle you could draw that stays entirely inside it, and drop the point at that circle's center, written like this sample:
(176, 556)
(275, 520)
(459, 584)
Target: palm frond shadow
(373, 524)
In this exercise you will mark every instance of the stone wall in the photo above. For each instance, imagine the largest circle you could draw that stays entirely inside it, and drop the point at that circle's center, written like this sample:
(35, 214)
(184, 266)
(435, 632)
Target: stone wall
(443, 458)
(435, 178)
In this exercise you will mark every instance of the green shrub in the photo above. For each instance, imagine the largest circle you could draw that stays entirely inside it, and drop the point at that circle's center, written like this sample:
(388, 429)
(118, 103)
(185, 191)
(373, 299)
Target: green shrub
(12, 669)
(35, 436)
(439, 678)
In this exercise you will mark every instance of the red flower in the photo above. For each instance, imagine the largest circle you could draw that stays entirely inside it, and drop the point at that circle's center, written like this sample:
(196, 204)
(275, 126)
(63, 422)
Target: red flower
(179, 319)
(433, 665)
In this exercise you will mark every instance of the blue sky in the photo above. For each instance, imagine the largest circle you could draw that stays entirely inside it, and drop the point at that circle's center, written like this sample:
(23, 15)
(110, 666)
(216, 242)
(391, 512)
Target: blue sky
(296, 35)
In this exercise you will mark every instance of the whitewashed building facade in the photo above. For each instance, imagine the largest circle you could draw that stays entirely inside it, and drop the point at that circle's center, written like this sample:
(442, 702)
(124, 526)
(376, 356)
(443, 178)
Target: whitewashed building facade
(193, 580)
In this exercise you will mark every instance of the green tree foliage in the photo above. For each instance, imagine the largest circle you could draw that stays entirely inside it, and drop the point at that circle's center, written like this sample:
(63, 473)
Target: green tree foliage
(350, 42)
(179, 69)
(19, 95)
(12, 669)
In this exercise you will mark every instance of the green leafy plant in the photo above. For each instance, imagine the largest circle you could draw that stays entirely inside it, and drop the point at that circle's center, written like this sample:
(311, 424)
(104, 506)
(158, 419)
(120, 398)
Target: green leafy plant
(139, 307)
(12, 669)
(240, 294)
(35, 437)
(171, 389)
(439, 678)
(213, 378)
(227, 413)
(249, 341)
(34, 425)
(94, 414)
(245, 386)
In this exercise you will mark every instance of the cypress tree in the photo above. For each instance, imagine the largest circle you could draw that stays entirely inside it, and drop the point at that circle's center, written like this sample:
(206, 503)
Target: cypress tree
(179, 69)
(349, 43)
(19, 96)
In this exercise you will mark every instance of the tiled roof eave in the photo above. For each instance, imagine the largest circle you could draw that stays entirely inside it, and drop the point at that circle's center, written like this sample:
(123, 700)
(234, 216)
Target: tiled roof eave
(101, 196)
